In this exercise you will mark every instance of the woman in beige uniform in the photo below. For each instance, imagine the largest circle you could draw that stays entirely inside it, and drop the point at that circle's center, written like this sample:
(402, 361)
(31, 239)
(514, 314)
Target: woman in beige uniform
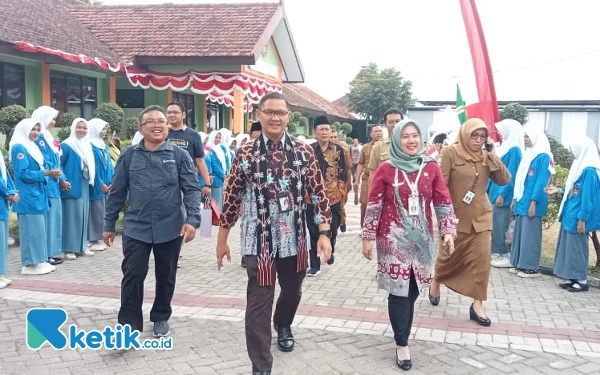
(466, 167)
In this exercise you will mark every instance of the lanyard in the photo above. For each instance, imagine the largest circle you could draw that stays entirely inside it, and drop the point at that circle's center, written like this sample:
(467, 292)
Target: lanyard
(412, 186)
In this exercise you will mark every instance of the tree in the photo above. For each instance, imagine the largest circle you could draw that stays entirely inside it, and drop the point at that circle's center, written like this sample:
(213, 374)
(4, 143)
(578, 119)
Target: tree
(343, 131)
(374, 91)
(296, 120)
(10, 116)
(562, 156)
(111, 113)
(515, 111)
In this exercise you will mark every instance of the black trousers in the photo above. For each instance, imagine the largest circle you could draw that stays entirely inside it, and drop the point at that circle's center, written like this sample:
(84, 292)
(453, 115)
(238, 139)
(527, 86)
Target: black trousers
(313, 230)
(135, 268)
(401, 311)
(259, 307)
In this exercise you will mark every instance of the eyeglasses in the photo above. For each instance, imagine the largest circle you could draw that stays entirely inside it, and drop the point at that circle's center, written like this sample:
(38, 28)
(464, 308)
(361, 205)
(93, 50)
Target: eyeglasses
(271, 113)
(152, 122)
(479, 136)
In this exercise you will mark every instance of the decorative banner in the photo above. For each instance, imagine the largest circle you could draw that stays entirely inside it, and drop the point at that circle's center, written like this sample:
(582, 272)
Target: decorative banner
(487, 107)
(216, 86)
(78, 59)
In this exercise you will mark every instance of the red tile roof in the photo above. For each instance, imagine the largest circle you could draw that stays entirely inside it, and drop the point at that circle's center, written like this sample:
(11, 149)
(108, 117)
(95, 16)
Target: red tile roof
(181, 30)
(50, 26)
(299, 95)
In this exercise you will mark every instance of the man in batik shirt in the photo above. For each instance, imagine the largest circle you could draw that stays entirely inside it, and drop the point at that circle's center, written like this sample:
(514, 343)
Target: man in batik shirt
(331, 159)
(270, 178)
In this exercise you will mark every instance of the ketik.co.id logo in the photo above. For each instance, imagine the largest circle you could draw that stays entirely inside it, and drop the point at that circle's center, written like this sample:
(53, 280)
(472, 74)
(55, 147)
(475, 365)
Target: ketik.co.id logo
(43, 325)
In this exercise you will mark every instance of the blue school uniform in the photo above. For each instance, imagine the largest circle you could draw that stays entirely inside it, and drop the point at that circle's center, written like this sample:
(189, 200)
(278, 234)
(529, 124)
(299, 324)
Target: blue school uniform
(537, 179)
(527, 239)
(54, 214)
(104, 173)
(7, 188)
(511, 160)
(32, 206)
(501, 215)
(207, 161)
(76, 203)
(218, 177)
(572, 249)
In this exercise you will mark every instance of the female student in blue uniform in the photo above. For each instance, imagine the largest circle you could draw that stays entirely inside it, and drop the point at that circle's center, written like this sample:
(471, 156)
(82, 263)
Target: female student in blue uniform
(80, 171)
(220, 166)
(511, 153)
(46, 117)
(99, 191)
(30, 181)
(8, 194)
(578, 215)
(530, 203)
(207, 160)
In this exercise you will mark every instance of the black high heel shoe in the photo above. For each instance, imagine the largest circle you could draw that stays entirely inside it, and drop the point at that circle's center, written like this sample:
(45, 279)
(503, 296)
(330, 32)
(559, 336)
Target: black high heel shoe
(433, 300)
(404, 364)
(482, 321)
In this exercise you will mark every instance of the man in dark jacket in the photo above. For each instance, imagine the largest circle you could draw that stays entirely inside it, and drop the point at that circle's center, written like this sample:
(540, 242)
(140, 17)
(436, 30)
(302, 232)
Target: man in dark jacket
(159, 177)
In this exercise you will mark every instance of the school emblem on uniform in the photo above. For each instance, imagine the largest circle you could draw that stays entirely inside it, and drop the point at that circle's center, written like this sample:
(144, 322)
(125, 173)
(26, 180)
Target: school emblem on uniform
(531, 172)
(20, 155)
(42, 144)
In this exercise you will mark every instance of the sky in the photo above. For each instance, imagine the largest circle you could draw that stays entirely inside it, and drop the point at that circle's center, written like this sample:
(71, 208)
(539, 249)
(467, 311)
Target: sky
(539, 49)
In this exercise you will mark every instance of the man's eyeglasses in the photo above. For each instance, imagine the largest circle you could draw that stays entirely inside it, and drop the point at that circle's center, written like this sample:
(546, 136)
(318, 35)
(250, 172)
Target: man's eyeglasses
(271, 113)
(152, 122)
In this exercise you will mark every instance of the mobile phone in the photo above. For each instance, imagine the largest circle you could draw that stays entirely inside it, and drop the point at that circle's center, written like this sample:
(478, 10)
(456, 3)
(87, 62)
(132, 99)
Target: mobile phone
(489, 147)
(447, 249)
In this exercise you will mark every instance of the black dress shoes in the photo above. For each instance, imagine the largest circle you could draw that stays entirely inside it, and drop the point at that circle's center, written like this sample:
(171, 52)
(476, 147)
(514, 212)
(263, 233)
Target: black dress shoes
(285, 338)
(434, 300)
(482, 321)
(404, 364)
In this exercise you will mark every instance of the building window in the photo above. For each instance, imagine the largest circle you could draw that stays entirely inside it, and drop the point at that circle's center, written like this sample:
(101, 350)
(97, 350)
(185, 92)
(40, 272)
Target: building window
(74, 94)
(215, 115)
(188, 101)
(130, 98)
(12, 85)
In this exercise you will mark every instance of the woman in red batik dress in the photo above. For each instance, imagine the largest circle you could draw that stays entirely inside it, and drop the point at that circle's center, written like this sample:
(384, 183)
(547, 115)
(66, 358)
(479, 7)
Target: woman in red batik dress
(399, 219)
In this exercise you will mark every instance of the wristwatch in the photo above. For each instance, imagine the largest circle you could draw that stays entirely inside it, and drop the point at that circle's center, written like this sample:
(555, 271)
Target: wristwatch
(325, 233)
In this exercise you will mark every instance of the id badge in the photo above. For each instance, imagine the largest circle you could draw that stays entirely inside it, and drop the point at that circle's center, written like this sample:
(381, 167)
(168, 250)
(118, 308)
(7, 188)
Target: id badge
(413, 206)
(284, 200)
(469, 197)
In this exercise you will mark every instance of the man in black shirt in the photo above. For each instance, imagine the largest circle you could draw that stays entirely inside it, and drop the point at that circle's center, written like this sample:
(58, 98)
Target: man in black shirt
(189, 140)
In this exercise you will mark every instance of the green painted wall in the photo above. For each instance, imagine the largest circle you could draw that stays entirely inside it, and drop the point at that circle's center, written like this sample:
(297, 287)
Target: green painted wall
(123, 83)
(33, 86)
(199, 108)
(18, 60)
(152, 96)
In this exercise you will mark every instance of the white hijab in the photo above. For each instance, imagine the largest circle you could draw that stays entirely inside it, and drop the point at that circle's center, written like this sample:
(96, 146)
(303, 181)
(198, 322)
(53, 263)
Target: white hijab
(83, 148)
(203, 137)
(21, 137)
(512, 135)
(586, 155)
(44, 116)
(239, 138)
(540, 145)
(137, 138)
(217, 149)
(96, 125)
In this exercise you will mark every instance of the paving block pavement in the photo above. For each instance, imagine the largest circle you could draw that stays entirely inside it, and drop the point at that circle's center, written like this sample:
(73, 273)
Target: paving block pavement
(202, 346)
